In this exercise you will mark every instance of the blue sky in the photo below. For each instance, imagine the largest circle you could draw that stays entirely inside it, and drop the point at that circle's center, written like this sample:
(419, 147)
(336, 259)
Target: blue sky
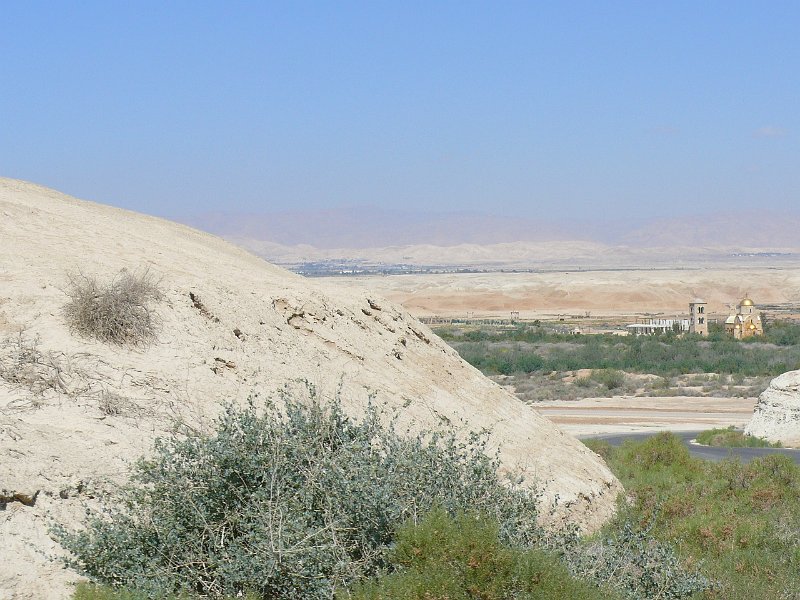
(511, 108)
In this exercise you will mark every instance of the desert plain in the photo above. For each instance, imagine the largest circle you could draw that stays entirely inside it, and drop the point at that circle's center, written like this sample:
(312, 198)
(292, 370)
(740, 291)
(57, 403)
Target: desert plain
(604, 294)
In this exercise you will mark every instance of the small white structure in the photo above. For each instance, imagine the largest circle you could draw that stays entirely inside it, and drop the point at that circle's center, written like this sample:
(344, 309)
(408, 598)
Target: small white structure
(654, 326)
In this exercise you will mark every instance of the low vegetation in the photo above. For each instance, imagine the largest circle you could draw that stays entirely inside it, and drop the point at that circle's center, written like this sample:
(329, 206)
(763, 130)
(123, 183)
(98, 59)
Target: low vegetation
(462, 558)
(296, 500)
(90, 591)
(574, 385)
(528, 349)
(733, 438)
(739, 523)
(538, 362)
(120, 312)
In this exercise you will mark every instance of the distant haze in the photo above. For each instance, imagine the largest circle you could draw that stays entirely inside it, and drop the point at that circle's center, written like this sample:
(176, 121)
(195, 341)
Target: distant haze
(377, 228)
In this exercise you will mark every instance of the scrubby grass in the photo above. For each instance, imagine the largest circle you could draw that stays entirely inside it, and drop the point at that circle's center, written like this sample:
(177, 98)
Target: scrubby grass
(739, 522)
(120, 312)
(86, 591)
(733, 438)
(462, 558)
(90, 591)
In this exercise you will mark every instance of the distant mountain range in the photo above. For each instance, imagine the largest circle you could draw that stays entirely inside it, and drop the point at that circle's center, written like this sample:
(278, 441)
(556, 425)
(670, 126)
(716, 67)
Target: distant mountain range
(355, 228)
(743, 229)
(378, 228)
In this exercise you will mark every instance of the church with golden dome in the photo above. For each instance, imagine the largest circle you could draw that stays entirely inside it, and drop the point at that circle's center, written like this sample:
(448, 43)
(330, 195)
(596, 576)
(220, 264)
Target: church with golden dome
(745, 322)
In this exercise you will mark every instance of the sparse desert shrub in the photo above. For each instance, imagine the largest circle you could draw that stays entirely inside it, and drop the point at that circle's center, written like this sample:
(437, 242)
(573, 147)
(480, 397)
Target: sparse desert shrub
(23, 363)
(662, 383)
(610, 378)
(292, 502)
(113, 404)
(120, 312)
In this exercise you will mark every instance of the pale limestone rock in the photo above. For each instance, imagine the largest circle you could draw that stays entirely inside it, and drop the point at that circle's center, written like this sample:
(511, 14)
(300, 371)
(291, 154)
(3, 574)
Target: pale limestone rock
(232, 324)
(777, 413)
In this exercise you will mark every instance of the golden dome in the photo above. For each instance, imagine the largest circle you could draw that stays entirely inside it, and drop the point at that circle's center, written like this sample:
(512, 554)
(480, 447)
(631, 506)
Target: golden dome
(747, 302)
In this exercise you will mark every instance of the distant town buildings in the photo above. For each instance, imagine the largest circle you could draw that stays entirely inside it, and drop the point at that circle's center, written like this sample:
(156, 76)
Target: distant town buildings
(745, 322)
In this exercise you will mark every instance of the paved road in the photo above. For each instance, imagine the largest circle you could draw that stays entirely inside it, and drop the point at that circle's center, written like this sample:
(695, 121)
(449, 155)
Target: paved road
(705, 452)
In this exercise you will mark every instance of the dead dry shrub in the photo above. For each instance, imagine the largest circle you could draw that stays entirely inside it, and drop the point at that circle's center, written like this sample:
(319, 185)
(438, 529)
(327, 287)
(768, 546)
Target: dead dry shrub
(121, 312)
(113, 404)
(23, 364)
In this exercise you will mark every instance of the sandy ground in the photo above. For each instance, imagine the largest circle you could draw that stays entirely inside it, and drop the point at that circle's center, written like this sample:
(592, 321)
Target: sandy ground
(626, 414)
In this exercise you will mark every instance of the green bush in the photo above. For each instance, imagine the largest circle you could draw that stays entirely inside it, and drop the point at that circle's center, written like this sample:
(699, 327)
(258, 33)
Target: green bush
(462, 558)
(610, 378)
(732, 438)
(292, 502)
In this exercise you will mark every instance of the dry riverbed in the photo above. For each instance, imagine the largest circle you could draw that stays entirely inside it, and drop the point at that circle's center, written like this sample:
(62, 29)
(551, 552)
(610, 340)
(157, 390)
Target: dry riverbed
(628, 414)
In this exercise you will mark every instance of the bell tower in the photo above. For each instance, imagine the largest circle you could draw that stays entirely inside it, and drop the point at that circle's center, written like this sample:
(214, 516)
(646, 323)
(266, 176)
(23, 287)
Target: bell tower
(697, 317)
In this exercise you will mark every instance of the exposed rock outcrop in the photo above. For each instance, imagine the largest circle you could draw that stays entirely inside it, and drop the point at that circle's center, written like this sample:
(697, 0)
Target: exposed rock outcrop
(777, 413)
(75, 413)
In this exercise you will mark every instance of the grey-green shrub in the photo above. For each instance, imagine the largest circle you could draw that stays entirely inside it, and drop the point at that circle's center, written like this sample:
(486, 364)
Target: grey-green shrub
(637, 565)
(292, 502)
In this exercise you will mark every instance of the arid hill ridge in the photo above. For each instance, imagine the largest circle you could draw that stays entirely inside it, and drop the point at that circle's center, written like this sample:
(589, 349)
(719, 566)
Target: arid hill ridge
(231, 325)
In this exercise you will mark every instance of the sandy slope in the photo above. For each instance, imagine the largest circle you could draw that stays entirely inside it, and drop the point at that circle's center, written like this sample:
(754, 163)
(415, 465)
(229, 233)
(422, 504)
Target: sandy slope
(61, 447)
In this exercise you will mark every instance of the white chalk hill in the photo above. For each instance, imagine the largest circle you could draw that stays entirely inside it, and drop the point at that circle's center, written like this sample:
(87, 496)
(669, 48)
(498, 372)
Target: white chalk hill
(75, 413)
(776, 416)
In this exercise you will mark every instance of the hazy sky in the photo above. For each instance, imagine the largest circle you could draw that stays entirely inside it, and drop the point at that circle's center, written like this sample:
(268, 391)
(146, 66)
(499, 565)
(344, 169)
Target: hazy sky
(530, 108)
